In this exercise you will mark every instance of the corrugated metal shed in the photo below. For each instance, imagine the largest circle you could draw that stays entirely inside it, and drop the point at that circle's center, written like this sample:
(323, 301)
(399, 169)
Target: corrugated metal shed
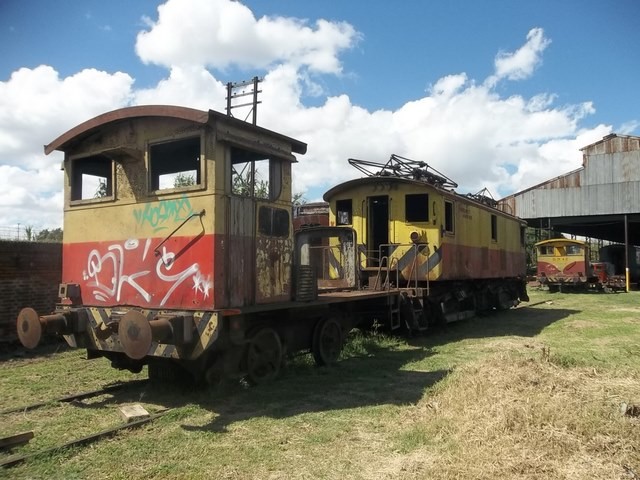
(592, 200)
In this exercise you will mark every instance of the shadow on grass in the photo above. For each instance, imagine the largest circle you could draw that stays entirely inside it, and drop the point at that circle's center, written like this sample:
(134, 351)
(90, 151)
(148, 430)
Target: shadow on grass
(371, 373)
(524, 321)
(373, 377)
(50, 347)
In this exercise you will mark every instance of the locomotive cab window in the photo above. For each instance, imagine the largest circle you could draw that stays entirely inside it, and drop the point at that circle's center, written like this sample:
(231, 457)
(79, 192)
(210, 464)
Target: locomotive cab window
(92, 178)
(273, 222)
(494, 228)
(416, 207)
(344, 212)
(175, 164)
(255, 174)
(449, 223)
(574, 250)
(545, 250)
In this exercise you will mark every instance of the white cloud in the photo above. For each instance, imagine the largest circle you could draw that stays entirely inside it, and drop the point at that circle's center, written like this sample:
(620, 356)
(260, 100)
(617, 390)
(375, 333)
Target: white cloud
(36, 106)
(521, 64)
(628, 128)
(220, 33)
(192, 86)
(463, 129)
(31, 197)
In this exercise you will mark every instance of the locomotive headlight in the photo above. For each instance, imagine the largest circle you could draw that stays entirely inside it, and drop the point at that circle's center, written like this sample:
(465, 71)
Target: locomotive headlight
(415, 236)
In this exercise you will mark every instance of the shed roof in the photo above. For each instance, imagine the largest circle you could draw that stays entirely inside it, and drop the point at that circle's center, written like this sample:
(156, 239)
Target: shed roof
(593, 200)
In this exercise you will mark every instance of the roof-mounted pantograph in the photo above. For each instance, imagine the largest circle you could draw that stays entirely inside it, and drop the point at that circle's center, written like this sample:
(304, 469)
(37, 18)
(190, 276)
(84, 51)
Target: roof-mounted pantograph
(403, 167)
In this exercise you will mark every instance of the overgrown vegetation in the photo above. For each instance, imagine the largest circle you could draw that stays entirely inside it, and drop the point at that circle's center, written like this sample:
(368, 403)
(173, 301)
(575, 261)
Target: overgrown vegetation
(535, 392)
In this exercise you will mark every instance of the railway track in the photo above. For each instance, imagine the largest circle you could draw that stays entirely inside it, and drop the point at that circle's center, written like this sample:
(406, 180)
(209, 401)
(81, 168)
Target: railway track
(76, 396)
(17, 459)
(23, 438)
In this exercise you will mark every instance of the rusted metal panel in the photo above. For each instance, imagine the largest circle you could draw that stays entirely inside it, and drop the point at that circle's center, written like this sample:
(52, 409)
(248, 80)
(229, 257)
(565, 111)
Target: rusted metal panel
(273, 269)
(613, 143)
(572, 179)
(588, 200)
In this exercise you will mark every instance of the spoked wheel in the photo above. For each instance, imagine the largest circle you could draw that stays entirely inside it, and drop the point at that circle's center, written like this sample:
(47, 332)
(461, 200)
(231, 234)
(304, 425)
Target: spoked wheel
(263, 356)
(327, 342)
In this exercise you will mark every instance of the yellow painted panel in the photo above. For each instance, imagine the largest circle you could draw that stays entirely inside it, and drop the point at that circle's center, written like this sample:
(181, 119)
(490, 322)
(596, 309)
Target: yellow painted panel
(157, 218)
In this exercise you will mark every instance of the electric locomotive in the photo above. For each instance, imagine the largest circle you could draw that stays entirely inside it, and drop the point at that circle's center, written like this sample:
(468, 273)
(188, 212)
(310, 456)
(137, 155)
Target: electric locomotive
(453, 255)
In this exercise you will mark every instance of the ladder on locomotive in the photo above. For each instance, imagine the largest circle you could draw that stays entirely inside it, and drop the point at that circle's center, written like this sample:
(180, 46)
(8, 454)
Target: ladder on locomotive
(408, 298)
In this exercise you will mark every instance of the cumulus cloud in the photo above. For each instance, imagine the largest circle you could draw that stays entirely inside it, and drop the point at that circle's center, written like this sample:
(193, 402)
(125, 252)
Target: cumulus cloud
(192, 86)
(520, 64)
(461, 126)
(36, 106)
(221, 33)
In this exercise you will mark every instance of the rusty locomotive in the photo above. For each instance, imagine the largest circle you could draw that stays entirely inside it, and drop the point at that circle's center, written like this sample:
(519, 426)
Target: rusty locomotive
(179, 252)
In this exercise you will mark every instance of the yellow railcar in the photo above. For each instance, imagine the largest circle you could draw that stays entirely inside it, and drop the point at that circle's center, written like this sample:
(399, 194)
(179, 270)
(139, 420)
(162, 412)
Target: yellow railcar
(414, 231)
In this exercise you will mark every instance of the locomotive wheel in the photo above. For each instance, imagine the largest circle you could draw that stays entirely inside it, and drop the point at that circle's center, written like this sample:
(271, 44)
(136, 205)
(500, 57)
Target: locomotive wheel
(263, 356)
(504, 300)
(327, 342)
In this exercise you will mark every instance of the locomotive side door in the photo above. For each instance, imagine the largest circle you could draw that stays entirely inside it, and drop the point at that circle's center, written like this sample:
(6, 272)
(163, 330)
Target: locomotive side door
(378, 228)
(240, 260)
(273, 253)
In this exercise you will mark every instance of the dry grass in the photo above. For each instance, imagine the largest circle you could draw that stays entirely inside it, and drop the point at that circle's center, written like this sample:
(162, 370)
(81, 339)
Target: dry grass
(533, 393)
(515, 416)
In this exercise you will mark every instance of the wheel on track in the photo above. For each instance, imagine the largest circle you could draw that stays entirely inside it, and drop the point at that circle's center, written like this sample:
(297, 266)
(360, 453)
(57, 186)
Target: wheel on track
(263, 356)
(327, 341)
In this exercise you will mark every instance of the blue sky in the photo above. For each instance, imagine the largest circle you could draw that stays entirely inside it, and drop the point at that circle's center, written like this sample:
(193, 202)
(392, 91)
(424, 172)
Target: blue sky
(493, 93)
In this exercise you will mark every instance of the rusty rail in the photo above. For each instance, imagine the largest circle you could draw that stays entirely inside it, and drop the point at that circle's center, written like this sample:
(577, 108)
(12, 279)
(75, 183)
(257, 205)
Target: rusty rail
(17, 459)
(76, 396)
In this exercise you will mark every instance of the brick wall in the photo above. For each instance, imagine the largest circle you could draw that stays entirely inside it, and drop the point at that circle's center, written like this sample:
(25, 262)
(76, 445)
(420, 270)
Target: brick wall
(30, 273)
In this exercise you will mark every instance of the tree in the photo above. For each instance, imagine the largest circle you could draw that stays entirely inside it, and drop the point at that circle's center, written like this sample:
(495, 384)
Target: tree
(46, 235)
(242, 184)
(298, 198)
(28, 230)
(101, 191)
(184, 180)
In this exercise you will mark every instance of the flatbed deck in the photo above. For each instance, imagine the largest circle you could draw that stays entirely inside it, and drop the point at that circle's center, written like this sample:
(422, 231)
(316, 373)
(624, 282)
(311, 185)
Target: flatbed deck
(324, 299)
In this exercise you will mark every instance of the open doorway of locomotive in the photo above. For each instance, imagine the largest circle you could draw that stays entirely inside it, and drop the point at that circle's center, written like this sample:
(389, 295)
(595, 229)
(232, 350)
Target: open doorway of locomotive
(377, 229)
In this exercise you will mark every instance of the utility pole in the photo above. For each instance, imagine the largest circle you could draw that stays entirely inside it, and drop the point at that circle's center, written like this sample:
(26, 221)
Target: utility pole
(236, 90)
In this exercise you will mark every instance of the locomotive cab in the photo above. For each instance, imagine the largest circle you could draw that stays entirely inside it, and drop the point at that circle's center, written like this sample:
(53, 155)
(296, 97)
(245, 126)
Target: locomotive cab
(173, 218)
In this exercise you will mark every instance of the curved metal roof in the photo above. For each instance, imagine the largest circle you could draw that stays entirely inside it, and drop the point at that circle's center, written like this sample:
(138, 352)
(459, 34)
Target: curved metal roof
(369, 180)
(561, 241)
(169, 111)
(349, 184)
(166, 111)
